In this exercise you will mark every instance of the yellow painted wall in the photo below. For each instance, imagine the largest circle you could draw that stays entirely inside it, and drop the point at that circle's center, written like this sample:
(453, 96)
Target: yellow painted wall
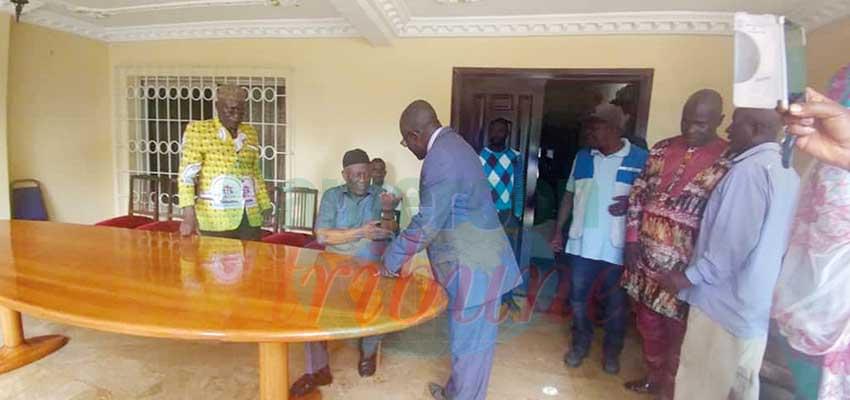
(59, 121)
(345, 93)
(828, 50)
(5, 20)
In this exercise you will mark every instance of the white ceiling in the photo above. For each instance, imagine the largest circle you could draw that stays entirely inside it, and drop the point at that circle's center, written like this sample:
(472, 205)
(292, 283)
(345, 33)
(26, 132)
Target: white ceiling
(433, 8)
(382, 21)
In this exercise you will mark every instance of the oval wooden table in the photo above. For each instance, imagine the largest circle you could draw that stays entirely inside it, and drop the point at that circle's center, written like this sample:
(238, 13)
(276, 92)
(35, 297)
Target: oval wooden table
(160, 285)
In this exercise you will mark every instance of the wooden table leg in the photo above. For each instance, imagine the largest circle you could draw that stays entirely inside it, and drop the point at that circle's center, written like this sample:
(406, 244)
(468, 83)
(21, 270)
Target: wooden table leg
(274, 371)
(17, 351)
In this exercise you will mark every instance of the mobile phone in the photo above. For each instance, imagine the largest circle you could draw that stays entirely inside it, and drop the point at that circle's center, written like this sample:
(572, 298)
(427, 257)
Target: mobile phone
(770, 66)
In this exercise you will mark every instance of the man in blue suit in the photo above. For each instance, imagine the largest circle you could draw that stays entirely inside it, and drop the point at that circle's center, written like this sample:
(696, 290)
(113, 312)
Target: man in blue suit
(467, 248)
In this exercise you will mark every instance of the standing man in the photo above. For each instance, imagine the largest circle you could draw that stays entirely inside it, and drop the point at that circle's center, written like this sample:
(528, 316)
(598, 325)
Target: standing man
(378, 171)
(467, 248)
(221, 157)
(597, 197)
(730, 280)
(503, 170)
(349, 222)
(665, 208)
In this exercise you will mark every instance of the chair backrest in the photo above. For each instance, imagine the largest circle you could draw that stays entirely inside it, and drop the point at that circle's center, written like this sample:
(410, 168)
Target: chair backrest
(28, 200)
(168, 186)
(145, 193)
(296, 209)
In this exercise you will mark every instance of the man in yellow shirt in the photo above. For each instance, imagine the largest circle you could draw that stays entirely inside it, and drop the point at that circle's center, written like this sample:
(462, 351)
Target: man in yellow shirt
(221, 187)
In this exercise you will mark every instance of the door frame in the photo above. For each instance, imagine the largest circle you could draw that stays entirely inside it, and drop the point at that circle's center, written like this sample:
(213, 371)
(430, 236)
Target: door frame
(641, 76)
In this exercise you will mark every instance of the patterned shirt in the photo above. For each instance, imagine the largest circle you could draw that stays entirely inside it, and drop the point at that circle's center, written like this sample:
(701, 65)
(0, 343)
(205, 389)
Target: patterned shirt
(227, 174)
(340, 209)
(665, 207)
(503, 171)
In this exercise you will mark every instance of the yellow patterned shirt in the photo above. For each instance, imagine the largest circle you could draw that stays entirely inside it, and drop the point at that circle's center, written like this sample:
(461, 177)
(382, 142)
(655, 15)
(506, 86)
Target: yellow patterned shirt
(227, 173)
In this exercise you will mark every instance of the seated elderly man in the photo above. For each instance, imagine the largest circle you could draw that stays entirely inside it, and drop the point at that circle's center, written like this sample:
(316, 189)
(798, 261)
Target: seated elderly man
(354, 219)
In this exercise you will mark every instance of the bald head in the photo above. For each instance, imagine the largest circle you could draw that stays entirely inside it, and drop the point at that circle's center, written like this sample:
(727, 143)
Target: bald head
(701, 116)
(419, 114)
(752, 126)
(767, 122)
(706, 98)
(417, 123)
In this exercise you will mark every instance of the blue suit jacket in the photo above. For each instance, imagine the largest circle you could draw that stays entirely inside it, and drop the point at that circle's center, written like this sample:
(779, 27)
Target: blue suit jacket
(458, 225)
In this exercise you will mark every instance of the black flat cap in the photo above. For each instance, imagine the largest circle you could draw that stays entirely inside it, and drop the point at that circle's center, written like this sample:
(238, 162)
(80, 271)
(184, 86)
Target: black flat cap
(355, 156)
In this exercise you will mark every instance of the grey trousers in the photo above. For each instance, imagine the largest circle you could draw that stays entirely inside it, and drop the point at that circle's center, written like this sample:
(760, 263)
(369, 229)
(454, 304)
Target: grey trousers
(316, 353)
(472, 334)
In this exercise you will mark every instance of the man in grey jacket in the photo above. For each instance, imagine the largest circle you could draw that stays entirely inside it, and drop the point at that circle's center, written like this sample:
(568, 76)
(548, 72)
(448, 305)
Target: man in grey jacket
(467, 248)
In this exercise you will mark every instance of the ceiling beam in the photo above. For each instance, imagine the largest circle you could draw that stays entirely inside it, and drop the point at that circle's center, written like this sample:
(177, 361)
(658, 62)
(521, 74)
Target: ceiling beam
(367, 19)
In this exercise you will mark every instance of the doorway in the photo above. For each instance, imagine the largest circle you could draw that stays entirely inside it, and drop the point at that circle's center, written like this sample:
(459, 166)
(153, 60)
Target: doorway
(544, 109)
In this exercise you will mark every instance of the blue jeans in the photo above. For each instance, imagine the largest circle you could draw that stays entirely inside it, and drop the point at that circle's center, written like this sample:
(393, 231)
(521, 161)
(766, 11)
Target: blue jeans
(586, 275)
(511, 225)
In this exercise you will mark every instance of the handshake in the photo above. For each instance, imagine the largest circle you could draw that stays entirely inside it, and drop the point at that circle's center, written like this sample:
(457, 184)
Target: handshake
(372, 230)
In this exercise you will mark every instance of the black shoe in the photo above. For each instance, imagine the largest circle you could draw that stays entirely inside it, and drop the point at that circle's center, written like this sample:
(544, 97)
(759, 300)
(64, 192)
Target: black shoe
(367, 365)
(438, 392)
(308, 383)
(575, 356)
(611, 364)
(642, 386)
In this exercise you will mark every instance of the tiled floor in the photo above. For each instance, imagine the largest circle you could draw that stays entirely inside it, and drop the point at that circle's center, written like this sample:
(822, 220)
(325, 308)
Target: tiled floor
(97, 365)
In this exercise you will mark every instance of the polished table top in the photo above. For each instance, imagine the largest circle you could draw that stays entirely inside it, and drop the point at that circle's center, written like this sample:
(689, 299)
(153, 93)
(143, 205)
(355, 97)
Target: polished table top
(160, 285)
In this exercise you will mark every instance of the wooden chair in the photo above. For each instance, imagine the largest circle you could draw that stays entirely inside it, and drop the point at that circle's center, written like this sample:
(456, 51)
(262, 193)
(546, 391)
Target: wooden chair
(27, 200)
(139, 211)
(168, 185)
(295, 217)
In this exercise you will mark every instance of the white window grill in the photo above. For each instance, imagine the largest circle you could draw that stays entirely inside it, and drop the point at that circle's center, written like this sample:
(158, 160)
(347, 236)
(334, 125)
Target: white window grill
(154, 107)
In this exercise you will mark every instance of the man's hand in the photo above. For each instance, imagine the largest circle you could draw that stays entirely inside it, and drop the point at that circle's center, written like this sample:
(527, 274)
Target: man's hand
(373, 231)
(389, 201)
(620, 206)
(632, 254)
(675, 281)
(189, 225)
(822, 127)
(557, 242)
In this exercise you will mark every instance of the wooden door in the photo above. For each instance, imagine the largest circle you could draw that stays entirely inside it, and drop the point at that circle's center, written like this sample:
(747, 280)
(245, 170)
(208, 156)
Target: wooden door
(479, 99)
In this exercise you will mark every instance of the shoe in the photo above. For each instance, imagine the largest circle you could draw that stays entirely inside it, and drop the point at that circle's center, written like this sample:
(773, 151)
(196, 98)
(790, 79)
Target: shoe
(308, 383)
(438, 392)
(366, 366)
(611, 364)
(575, 356)
(643, 386)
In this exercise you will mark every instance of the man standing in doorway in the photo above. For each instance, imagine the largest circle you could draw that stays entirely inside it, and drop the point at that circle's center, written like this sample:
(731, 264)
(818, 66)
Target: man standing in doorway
(597, 198)
(378, 171)
(729, 282)
(503, 170)
(467, 248)
(665, 208)
(221, 158)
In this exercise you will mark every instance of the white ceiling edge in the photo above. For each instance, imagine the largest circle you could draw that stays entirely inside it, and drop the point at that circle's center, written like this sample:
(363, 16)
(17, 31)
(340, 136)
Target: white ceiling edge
(405, 26)
(679, 23)
(282, 28)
